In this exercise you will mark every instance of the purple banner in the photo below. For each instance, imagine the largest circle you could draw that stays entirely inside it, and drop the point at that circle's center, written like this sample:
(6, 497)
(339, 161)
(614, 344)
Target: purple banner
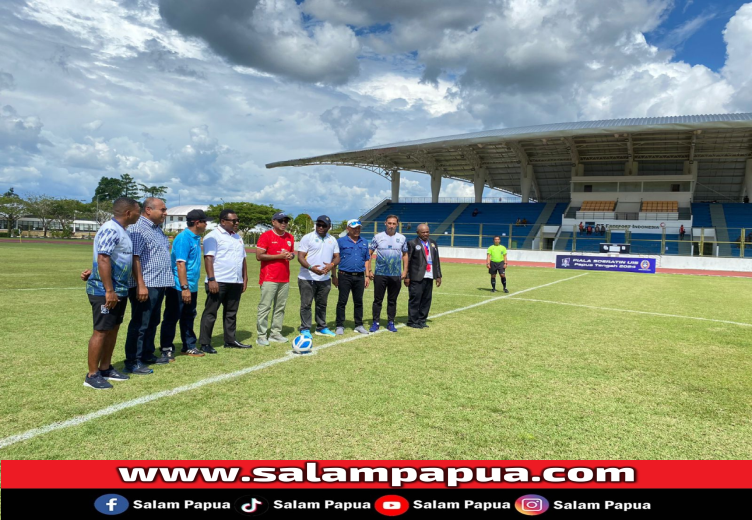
(606, 263)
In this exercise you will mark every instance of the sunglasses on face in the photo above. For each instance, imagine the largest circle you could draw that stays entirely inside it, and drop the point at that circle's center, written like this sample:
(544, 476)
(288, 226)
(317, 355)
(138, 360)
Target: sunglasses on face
(233, 220)
(322, 224)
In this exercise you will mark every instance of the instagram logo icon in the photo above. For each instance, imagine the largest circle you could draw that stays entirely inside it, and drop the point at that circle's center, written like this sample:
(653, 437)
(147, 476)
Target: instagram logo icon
(531, 505)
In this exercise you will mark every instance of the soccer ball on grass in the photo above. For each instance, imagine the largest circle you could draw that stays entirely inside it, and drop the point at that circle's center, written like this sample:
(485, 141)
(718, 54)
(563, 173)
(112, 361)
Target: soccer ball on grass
(302, 345)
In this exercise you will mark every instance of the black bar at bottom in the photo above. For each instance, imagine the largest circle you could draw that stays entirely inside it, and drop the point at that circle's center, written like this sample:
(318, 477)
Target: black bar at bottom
(367, 503)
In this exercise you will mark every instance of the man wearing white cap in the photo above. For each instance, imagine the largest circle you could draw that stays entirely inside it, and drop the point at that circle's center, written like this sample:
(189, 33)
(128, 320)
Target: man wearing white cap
(354, 275)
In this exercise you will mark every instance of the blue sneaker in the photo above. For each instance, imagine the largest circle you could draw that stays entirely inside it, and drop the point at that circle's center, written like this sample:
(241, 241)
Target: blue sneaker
(374, 327)
(325, 332)
(306, 333)
(390, 327)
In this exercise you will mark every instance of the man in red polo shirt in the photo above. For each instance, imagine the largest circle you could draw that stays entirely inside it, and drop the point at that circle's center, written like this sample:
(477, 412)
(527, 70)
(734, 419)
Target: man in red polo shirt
(275, 249)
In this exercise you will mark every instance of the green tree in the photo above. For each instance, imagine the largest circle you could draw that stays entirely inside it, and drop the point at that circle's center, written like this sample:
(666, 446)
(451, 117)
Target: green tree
(109, 188)
(301, 225)
(12, 207)
(250, 214)
(154, 191)
(41, 206)
(338, 227)
(129, 186)
(64, 212)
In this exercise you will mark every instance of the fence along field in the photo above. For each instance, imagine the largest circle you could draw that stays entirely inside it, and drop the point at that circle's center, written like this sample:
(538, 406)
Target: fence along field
(579, 365)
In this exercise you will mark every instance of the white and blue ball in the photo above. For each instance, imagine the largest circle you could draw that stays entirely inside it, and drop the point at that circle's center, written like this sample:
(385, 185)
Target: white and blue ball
(302, 345)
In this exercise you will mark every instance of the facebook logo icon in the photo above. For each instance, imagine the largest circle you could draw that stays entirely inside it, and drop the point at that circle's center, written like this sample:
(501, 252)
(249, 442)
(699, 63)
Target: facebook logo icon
(111, 504)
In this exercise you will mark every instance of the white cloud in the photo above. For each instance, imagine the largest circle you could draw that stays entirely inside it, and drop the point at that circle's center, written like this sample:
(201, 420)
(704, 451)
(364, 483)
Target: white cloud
(738, 67)
(93, 125)
(203, 107)
(403, 92)
(352, 126)
(457, 189)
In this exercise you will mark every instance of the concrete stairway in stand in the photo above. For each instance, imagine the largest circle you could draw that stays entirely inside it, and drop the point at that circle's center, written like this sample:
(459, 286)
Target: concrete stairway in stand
(448, 222)
(542, 219)
(721, 232)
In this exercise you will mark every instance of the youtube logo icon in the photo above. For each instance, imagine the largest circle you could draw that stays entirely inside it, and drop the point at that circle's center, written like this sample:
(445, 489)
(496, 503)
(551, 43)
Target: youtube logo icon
(391, 505)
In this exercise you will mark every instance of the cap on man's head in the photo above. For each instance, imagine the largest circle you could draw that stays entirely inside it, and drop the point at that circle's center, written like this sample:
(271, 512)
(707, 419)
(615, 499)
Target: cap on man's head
(280, 216)
(197, 214)
(354, 222)
(325, 219)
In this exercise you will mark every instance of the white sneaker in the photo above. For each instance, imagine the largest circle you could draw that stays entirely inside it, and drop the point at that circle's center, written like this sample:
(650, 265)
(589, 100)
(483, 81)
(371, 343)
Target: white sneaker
(340, 331)
(262, 341)
(278, 338)
(361, 329)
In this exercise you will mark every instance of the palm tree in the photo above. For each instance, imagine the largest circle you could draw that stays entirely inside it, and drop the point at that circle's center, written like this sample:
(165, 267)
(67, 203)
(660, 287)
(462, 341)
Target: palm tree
(153, 191)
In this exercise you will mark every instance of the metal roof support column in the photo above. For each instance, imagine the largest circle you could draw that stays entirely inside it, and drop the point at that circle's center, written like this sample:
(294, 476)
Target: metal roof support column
(395, 186)
(527, 173)
(479, 182)
(690, 168)
(747, 184)
(526, 181)
(435, 186)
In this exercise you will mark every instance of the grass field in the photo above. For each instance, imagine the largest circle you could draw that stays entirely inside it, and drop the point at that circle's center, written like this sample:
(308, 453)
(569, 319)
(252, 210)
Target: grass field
(570, 365)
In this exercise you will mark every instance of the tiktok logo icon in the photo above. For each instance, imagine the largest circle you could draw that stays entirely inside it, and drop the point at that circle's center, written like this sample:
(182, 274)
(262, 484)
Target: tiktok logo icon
(251, 505)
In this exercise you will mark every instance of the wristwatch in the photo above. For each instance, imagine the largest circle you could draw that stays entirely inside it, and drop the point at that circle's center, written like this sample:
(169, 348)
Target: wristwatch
(211, 279)
(184, 287)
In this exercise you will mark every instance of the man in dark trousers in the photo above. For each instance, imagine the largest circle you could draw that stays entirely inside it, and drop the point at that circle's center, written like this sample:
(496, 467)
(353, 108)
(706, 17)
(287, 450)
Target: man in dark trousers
(226, 280)
(423, 267)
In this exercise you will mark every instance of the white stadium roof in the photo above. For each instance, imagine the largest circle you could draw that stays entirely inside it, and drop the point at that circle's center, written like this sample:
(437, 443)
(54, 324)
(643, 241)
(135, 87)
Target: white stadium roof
(719, 143)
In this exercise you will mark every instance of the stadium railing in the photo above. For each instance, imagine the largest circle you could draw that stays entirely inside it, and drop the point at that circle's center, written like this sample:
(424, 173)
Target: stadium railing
(696, 242)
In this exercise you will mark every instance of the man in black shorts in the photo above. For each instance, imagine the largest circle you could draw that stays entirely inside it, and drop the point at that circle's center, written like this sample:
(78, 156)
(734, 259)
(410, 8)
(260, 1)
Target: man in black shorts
(496, 262)
(107, 288)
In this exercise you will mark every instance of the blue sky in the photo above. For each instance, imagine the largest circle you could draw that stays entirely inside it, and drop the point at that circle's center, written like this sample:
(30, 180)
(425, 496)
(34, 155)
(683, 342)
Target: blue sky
(200, 96)
(704, 45)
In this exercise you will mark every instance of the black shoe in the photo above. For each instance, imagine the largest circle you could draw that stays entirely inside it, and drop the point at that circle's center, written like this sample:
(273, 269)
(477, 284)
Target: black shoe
(237, 344)
(149, 360)
(423, 326)
(208, 349)
(506, 290)
(493, 290)
(166, 357)
(414, 326)
(111, 374)
(138, 368)
(96, 381)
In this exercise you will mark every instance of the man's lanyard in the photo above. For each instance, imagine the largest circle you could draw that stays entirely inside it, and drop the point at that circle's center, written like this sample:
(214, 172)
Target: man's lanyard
(427, 251)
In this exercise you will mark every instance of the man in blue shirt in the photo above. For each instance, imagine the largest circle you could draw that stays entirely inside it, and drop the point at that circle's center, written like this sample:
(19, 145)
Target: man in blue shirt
(107, 288)
(152, 275)
(354, 275)
(180, 301)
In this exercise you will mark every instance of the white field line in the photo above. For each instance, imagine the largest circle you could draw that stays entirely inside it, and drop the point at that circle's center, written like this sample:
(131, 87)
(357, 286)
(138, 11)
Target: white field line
(659, 314)
(36, 432)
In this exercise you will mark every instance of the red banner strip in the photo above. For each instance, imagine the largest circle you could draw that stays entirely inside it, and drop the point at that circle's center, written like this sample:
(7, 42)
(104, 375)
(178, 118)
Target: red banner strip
(458, 474)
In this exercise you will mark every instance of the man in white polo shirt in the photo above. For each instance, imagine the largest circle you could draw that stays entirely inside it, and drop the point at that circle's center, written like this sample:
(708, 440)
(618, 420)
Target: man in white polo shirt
(318, 253)
(226, 280)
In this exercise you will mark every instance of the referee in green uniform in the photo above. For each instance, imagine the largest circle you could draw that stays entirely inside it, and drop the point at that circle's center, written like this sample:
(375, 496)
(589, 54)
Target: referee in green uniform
(496, 262)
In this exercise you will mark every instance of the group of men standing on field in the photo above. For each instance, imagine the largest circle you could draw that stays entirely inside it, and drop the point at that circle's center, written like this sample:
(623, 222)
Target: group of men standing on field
(138, 265)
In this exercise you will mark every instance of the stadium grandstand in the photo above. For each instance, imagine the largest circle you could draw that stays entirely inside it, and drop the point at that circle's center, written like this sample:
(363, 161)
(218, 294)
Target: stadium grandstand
(641, 179)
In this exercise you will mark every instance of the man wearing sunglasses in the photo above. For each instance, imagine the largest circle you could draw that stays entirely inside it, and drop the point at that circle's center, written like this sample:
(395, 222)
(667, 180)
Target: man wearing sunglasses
(180, 301)
(318, 254)
(274, 249)
(226, 280)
